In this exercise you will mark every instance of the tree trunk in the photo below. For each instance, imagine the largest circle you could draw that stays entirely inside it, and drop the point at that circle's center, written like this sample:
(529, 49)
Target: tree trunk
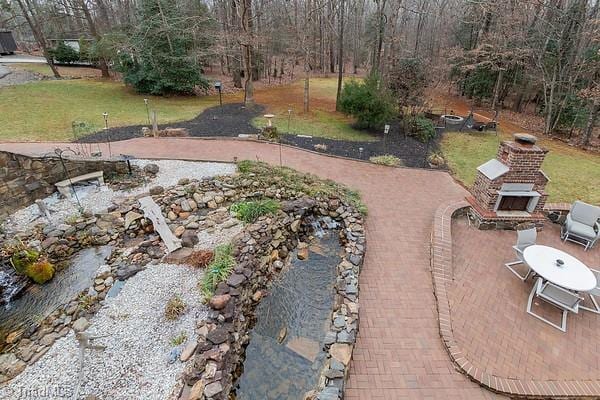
(307, 19)
(164, 20)
(247, 47)
(31, 18)
(331, 44)
(497, 88)
(591, 122)
(340, 57)
(549, 105)
(94, 32)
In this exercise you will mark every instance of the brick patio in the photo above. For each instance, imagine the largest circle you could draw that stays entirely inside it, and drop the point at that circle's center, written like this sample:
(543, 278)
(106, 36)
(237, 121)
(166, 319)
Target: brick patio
(491, 337)
(399, 354)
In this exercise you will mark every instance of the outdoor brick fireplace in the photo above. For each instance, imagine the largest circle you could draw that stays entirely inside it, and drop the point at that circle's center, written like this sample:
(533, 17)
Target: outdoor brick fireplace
(509, 189)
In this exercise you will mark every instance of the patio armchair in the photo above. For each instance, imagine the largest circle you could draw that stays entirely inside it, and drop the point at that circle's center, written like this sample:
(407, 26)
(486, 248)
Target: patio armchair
(557, 296)
(592, 293)
(582, 224)
(525, 238)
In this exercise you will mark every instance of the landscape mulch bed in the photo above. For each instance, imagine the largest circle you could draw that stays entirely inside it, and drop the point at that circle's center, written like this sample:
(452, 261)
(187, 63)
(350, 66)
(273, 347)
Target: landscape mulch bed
(412, 152)
(231, 120)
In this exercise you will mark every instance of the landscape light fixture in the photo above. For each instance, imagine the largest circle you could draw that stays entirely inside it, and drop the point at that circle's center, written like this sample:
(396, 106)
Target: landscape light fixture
(386, 131)
(105, 115)
(147, 110)
(289, 117)
(218, 86)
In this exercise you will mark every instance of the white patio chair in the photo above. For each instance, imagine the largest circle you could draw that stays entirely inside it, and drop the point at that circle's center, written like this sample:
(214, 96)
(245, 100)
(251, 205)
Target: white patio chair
(592, 293)
(525, 238)
(557, 296)
(582, 224)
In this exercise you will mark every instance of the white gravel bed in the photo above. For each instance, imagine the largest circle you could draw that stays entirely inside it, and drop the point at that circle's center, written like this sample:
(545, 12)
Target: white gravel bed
(98, 199)
(208, 239)
(171, 171)
(137, 336)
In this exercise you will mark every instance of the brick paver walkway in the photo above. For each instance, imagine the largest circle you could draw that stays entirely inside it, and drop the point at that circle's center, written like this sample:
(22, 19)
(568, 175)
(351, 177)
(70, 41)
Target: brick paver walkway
(399, 354)
(488, 311)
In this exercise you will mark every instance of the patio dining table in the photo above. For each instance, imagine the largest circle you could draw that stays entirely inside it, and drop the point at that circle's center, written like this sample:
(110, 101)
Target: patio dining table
(572, 274)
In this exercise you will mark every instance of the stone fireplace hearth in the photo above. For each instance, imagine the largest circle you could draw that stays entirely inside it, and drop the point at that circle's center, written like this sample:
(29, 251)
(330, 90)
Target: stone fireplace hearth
(509, 190)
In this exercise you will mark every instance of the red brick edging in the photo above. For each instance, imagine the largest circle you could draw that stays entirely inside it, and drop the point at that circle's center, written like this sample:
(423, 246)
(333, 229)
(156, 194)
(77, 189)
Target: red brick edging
(441, 269)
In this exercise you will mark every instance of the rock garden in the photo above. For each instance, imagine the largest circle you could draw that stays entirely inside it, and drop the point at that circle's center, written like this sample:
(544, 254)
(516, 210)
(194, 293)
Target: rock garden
(250, 292)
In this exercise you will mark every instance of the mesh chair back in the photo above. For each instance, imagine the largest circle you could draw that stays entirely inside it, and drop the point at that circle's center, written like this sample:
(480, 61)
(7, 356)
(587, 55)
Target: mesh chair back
(526, 238)
(585, 213)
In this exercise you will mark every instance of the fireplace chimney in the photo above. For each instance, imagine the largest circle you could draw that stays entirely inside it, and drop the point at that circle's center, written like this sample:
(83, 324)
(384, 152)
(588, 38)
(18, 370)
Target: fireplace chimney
(509, 189)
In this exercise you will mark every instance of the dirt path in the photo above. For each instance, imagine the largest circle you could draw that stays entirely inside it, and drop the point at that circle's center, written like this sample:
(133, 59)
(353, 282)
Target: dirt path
(458, 105)
(10, 76)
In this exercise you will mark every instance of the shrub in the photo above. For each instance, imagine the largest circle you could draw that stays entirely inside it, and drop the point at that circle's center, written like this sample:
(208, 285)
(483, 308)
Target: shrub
(271, 133)
(422, 128)
(249, 211)
(218, 270)
(163, 55)
(64, 53)
(387, 159)
(368, 102)
(22, 258)
(40, 271)
(407, 82)
(244, 166)
(479, 82)
(200, 259)
(175, 307)
(85, 302)
(436, 160)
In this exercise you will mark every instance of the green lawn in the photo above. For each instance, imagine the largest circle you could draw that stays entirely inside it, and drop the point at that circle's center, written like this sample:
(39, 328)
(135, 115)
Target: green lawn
(321, 121)
(574, 174)
(317, 124)
(45, 110)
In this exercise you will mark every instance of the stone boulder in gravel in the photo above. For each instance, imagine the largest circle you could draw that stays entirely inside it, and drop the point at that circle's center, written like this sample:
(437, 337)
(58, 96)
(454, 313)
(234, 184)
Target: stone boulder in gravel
(156, 190)
(219, 302)
(151, 169)
(80, 325)
(127, 271)
(189, 238)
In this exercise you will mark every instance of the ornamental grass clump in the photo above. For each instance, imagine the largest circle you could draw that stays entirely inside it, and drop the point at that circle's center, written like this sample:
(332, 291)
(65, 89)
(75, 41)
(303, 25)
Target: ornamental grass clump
(249, 211)
(218, 270)
(40, 271)
(175, 308)
(387, 159)
(179, 339)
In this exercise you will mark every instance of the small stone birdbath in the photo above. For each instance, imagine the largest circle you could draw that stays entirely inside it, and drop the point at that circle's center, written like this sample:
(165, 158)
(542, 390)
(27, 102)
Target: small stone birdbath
(269, 117)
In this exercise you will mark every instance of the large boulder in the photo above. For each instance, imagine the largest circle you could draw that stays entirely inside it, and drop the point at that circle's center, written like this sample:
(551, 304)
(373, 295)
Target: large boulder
(151, 169)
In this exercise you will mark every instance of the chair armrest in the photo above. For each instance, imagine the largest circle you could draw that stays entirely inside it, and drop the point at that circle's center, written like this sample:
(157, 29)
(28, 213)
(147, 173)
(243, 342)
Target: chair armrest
(568, 220)
(518, 250)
